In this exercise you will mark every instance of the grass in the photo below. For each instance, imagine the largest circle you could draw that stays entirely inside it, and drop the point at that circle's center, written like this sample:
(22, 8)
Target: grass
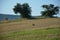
(37, 34)
(40, 29)
(9, 21)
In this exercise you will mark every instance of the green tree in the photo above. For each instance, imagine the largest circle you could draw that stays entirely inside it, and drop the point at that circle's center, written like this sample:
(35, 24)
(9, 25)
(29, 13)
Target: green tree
(24, 10)
(50, 10)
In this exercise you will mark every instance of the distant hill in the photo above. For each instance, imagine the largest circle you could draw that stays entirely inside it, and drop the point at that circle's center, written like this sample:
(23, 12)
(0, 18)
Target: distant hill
(10, 17)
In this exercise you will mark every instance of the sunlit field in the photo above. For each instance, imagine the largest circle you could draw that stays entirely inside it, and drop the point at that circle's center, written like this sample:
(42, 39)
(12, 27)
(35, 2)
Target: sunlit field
(36, 29)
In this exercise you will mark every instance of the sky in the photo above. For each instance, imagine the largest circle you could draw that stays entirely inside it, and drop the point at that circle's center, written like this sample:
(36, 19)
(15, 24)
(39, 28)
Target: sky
(6, 6)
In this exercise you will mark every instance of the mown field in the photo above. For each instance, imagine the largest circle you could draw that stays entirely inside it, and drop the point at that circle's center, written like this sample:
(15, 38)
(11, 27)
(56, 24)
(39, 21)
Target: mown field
(36, 29)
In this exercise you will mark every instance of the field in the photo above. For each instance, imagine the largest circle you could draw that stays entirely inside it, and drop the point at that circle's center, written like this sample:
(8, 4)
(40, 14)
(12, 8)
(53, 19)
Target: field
(35, 29)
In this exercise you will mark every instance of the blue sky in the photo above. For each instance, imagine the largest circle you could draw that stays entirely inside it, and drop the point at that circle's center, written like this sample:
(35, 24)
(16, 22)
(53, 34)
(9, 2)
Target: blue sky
(6, 6)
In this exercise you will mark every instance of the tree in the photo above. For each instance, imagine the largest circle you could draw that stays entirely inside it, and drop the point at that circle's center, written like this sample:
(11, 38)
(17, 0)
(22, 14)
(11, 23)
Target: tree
(50, 10)
(24, 10)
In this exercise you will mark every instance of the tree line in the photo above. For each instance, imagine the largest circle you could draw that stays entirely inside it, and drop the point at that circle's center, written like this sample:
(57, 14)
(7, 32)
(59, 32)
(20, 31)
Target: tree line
(25, 10)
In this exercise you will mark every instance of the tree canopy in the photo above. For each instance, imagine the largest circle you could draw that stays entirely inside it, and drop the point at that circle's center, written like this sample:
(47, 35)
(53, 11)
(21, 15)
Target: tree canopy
(24, 9)
(50, 10)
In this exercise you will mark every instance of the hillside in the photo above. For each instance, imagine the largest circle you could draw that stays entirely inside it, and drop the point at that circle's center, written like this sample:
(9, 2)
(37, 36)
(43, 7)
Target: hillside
(28, 25)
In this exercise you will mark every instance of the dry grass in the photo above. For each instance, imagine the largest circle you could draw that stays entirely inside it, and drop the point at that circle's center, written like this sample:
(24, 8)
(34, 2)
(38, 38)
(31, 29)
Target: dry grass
(12, 27)
(27, 24)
